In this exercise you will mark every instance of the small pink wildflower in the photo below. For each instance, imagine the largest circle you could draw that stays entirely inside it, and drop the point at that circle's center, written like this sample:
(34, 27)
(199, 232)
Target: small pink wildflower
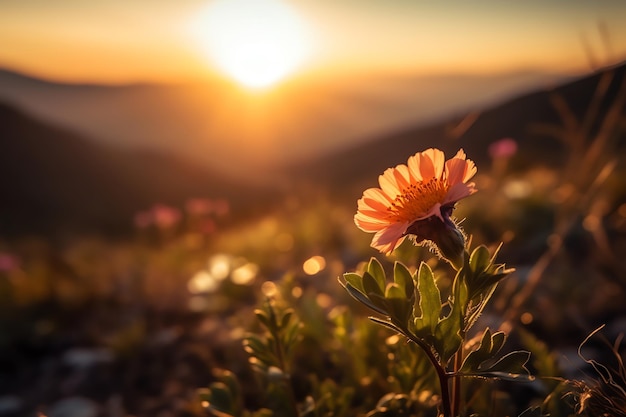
(503, 148)
(199, 206)
(165, 217)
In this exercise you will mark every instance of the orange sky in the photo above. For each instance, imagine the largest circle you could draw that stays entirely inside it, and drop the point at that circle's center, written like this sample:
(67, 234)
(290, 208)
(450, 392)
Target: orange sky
(149, 40)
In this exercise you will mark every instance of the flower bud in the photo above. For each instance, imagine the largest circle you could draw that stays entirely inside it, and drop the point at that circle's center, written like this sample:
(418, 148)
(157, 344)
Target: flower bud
(448, 239)
(451, 245)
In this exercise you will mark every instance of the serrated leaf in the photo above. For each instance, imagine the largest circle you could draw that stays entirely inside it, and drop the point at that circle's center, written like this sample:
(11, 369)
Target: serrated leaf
(430, 298)
(403, 277)
(511, 366)
(478, 305)
(482, 353)
(371, 285)
(375, 269)
(513, 362)
(497, 341)
(355, 280)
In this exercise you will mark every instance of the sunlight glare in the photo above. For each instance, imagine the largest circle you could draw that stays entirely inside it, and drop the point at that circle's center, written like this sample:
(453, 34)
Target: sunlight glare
(257, 43)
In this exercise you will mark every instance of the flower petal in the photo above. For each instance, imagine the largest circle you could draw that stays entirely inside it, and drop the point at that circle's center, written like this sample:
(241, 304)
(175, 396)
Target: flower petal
(389, 237)
(431, 163)
(403, 178)
(388, 183)
(377, 194)
(459, 191)
(459, 169)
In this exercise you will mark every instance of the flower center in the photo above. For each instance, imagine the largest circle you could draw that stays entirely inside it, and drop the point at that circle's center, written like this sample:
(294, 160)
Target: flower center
(417, 199)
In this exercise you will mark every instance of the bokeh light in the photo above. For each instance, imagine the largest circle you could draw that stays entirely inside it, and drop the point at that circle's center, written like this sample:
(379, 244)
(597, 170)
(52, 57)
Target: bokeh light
(314, 265)
(203, 282)
(245, 274)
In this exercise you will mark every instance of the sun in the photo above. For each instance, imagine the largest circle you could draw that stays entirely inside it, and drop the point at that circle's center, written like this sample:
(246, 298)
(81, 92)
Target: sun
(255, 42)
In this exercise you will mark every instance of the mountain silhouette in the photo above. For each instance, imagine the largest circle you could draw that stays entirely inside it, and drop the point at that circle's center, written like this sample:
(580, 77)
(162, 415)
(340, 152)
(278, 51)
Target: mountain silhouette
(246, 134)
(53, 181)
(348, 171)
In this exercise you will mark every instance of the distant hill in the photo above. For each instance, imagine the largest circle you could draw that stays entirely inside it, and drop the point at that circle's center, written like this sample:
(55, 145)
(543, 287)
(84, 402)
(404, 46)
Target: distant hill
(246, 134)
(348, 171)
(53, 181)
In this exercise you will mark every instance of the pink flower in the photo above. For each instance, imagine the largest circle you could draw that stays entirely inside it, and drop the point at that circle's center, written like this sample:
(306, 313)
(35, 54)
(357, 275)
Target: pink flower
(8, 262)
(165, 217)
(199, 206)
(503, 148)
(425, 188)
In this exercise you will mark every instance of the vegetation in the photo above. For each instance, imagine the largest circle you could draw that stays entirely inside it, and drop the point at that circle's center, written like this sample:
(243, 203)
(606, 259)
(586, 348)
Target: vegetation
(199, 314)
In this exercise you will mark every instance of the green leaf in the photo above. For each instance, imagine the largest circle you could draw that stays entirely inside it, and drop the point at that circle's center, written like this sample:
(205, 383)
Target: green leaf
(262, 317)
(447, 337)
(291, 336)
(479, 259)
(398, 306)
(497, 341)
(461, 294)
(387, 324)
(394, 290)
(375, 269)
(403, 277)
(495, 253)
(355, 280)
(285, 319)
(253, 345)
(512, 363)
(371, 285)
(359, 296)
(490, 345)
(478, 304)
(511, 366)
(430, 298)
(478, 356)
(220, 398)
(380, 302)
(228, 378)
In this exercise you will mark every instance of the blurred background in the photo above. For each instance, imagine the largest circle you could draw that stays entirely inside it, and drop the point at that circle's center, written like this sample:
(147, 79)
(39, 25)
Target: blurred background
(165, 166)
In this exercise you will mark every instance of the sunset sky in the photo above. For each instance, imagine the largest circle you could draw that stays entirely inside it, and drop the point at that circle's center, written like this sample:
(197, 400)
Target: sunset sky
(113, 41)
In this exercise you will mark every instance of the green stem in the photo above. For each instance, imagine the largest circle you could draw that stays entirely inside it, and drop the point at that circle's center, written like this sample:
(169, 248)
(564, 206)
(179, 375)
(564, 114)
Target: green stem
(456, 383)
(441, 373)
